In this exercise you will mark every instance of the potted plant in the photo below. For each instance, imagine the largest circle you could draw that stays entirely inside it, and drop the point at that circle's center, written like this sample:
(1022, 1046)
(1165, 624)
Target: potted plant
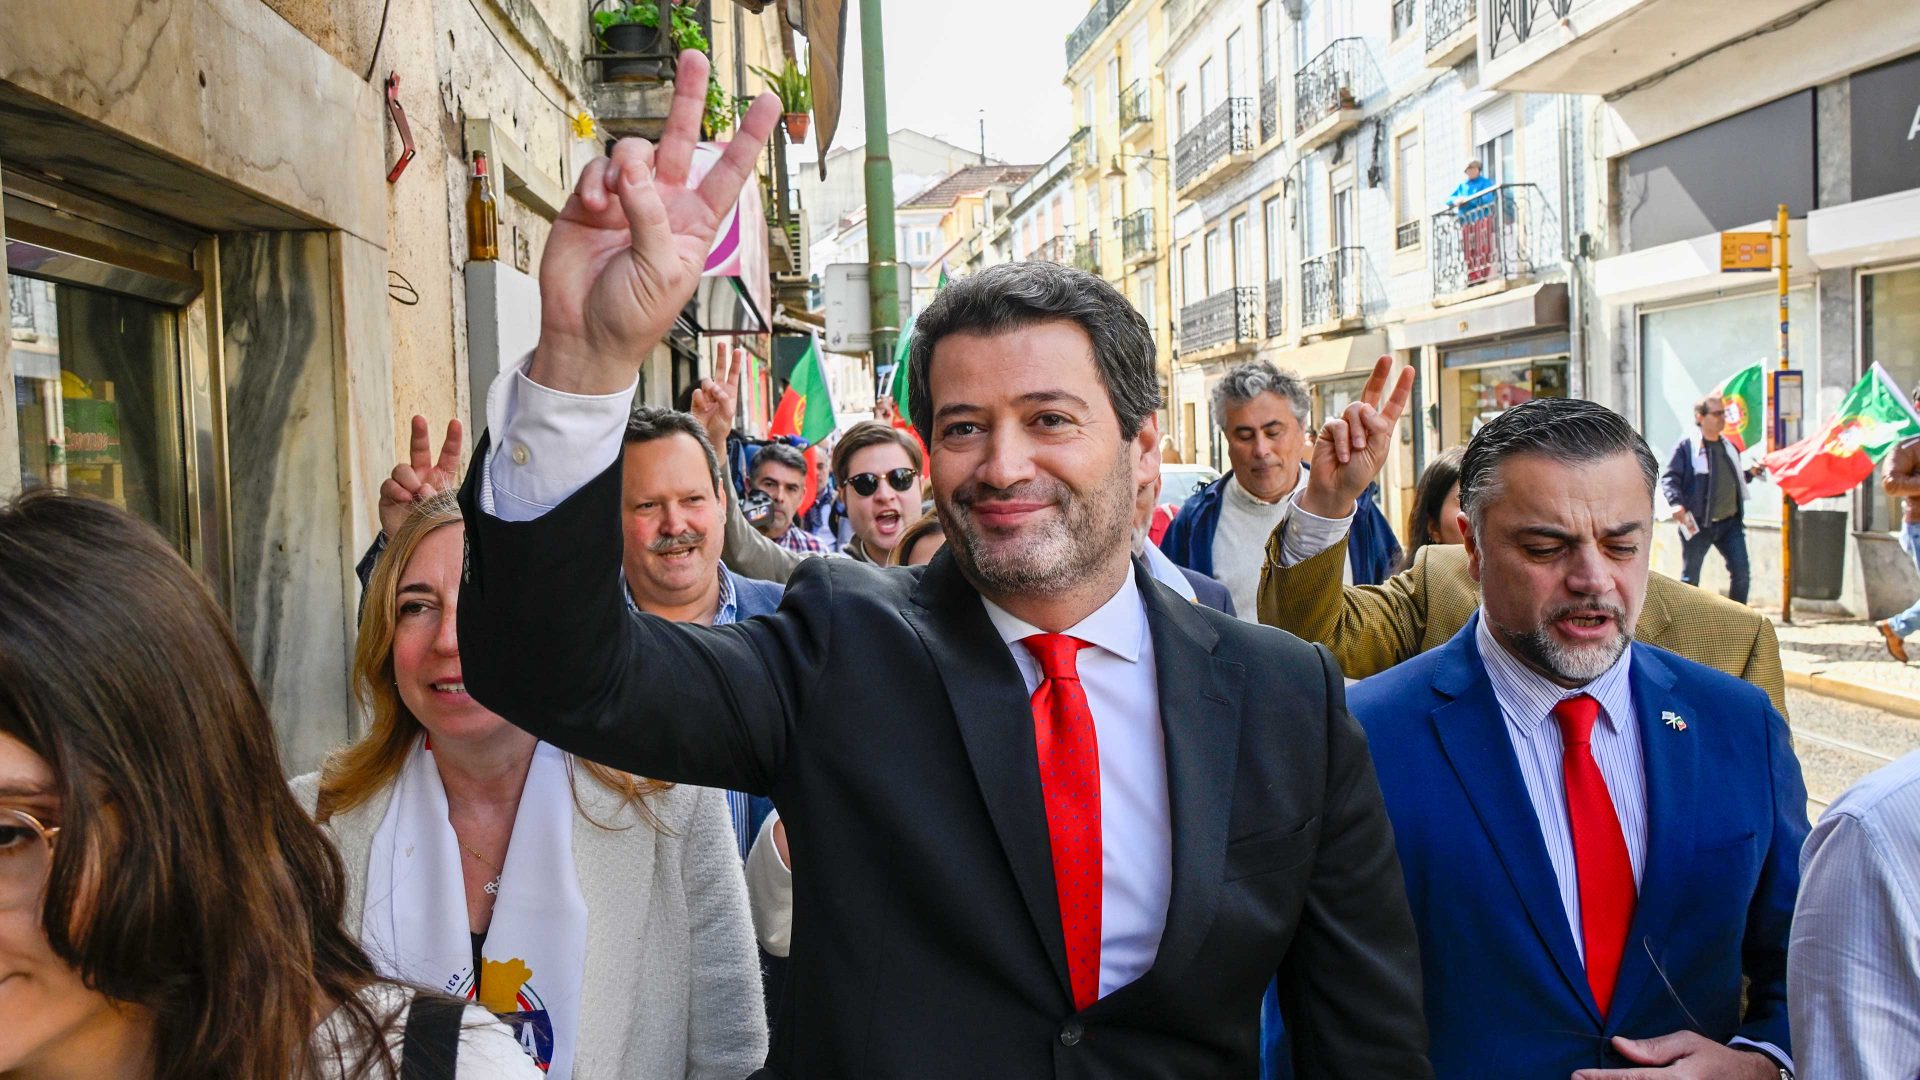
(796, 96)
(634, 28)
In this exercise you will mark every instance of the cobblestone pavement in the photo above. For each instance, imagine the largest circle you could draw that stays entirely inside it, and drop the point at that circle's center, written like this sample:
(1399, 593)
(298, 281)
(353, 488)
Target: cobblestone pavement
(1847, 650)
(1839, 742)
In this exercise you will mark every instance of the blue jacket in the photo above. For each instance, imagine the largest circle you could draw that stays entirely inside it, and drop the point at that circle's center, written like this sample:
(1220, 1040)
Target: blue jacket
(751, 596)
(1688, 479)
(1371, 546)
(1506, 992)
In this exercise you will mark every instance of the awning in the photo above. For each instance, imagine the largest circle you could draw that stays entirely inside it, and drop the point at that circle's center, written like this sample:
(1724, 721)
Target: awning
(735, 295)
(824, 22)
(1530, 308)
(1333, 356)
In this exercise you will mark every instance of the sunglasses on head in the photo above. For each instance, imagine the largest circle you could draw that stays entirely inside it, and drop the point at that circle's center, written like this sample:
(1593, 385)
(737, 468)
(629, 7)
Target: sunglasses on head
(866, 483)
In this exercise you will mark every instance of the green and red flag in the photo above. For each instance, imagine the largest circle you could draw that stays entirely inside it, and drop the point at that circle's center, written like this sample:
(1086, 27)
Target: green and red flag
(1874, 417)
(1745, 395)
(902, 416)
(806, 410)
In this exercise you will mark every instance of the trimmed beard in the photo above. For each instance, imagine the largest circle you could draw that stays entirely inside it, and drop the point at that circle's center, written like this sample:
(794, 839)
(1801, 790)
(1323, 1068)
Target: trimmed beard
(1051, 557)
(1578, 664)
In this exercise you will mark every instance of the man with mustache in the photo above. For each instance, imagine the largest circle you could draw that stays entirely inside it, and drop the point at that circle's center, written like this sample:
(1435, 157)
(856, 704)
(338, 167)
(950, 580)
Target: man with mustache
(1051, 819)
(1600, 838)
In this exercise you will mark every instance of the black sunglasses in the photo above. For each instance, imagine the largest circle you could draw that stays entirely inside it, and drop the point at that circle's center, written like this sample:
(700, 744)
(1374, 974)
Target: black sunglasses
(866, 483)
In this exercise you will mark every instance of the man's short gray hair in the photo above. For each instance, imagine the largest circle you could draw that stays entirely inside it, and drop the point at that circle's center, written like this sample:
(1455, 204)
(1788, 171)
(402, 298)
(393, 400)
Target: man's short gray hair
(1247, 381)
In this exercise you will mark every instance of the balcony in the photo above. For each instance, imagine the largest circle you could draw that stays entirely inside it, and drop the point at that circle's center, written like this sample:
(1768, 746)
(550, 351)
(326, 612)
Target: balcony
(1218, 147)
(1137, 243)
(1276, 307)
(1081, 155)
(1054, 249)
(1136, 106)
(1602, 46)
(1086, 255)
(1492, 242)
(1326, 96)
(1221, 325)
(1269, 110)
(1330, 291)
(1097, 19)
(1452, 31)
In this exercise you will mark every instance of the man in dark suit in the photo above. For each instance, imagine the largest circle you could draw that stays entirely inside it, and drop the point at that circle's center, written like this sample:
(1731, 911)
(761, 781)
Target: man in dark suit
(1600, 838)
(1051, 818)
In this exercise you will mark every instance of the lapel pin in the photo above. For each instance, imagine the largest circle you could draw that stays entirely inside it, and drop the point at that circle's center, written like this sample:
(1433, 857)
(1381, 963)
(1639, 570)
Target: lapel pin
(1673, 721)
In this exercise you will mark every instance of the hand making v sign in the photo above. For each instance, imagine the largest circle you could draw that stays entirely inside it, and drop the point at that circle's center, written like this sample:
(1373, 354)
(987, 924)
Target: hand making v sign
(1350, 450)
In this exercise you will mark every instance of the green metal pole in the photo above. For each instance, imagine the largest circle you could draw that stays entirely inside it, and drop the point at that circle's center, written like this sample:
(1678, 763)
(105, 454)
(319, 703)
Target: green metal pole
(883, 286)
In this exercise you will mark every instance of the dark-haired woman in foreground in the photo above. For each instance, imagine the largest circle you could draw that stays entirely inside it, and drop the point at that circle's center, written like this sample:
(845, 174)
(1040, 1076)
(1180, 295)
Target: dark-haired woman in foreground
(167, 910)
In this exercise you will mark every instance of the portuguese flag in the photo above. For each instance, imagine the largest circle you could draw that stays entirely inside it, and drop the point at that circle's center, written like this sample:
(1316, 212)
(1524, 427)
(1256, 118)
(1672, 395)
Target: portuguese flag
(806, 410)
(1872, 420)
(1744, 392)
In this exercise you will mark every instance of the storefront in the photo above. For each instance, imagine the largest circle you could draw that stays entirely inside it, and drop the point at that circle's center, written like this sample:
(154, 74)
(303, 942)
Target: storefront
(1493, 353)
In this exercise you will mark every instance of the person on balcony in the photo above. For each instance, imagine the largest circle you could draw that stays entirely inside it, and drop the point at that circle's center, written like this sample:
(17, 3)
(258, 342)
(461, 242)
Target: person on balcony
(1472, 204)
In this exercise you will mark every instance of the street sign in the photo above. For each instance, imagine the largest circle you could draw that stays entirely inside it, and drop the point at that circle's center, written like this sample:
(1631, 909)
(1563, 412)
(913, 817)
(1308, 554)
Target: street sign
(1745, 251)
(1788, 407)
(850, 306)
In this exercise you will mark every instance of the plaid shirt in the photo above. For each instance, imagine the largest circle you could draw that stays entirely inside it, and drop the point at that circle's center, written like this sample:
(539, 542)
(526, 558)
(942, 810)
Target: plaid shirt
(802, 541)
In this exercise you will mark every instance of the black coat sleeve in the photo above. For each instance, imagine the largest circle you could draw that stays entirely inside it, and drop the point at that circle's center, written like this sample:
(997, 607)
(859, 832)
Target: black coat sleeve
(547, 642)
(1350, 985)
(1679, 470)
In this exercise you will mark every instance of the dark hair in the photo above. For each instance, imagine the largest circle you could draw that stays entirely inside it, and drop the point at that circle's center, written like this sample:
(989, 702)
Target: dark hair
(873, 433)
(1016, 295)
(1565, 429)
(778, 453)
(649, 424)
(1700, 407)
(1429, 495)
(187, 879)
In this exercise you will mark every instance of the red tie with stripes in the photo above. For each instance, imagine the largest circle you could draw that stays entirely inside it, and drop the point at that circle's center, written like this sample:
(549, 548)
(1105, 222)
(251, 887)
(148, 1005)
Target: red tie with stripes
(1607, 891)
(1070, 786)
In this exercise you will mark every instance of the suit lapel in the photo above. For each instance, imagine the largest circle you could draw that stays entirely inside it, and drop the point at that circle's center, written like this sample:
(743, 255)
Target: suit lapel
(995, 718)
(1673, 781)
(1473, 733)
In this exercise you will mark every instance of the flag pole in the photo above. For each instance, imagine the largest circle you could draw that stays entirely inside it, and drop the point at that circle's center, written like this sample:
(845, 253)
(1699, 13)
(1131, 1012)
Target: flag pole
(1773, 437)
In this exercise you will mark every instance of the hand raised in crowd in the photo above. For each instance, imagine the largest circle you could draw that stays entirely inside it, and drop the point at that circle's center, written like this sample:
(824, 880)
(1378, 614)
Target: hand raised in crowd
(1350, 450)
(421, 476)
(626, 253)
(717, 400)
(1684, 1055)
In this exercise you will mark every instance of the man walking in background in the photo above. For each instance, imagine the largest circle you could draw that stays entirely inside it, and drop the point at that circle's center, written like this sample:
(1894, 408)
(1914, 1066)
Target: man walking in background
(1707, 487)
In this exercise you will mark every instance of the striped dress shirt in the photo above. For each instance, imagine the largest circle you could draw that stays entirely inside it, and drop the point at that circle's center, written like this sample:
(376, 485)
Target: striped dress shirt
(1853, 968)
(1526, 700)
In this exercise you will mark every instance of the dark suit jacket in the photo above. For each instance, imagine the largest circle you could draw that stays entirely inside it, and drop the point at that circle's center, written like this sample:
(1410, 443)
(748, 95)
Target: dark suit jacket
(1208, 591)
(887, 719)
(1507, 995)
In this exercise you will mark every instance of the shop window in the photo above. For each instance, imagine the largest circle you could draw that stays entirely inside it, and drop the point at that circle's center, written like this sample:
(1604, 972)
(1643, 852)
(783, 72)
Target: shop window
(1332, 396)
(1488, 391)
(1889, 335)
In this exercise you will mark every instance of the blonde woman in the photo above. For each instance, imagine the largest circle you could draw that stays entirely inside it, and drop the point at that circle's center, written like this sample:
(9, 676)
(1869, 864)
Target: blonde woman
(603, 917)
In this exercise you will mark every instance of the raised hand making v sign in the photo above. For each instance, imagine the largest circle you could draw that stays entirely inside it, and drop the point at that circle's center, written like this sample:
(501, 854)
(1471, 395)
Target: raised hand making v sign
(1350, 450)
(626, 253)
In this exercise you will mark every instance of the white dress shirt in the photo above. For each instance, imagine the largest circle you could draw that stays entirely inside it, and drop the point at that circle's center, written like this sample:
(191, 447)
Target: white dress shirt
(548, 444)
(1526, 700)
(1240, 542)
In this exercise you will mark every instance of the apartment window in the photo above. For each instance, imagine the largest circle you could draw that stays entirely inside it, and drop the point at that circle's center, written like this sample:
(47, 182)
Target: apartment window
(1403, 11)
(1301, 53)
(1493, 141)
(1269, 40)
(1143, 296)
(1408, 182)
(1216, 263)
(1236, 64)
(1086, 103)
(1187, 295)
(1113, 82)
(1242, 251)
(1183, 110)
(1274, 213)
(1209, 86)
(1342, 217)
(1138, 63)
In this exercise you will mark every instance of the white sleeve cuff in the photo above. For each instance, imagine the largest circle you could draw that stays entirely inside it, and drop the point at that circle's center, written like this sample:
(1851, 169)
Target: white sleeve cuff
(546, 443)
(1778, 1055)
(1304, 534)
(770, 891)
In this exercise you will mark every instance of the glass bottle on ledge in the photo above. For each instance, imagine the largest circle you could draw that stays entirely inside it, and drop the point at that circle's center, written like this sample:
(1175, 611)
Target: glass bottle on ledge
(483, 225)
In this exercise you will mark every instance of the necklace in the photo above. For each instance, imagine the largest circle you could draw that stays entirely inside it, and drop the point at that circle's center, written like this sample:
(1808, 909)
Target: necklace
(492, 887)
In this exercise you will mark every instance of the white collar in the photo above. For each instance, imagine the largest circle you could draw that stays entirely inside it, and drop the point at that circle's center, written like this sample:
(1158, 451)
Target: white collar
(1117, 626)
(1238, 492)
(1527, 697)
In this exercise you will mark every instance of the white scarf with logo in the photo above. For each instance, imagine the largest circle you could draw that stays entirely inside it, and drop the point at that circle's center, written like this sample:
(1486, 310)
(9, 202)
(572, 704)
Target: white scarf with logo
(415, 923)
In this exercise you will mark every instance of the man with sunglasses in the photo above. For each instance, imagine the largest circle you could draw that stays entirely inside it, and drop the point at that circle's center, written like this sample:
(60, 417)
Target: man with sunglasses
(879, 470)
(1052, 820)
(1706, 486)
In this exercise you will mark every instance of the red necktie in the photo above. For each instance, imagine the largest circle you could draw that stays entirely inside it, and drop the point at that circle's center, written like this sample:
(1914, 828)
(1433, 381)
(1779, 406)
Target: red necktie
(1070, 786)
(1599, 849)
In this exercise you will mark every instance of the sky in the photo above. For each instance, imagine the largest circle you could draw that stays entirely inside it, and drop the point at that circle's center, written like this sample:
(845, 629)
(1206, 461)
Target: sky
(949, 62)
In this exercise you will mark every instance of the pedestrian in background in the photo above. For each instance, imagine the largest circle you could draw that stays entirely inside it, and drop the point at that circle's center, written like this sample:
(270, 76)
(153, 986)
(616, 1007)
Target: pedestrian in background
(1473, 208)
(881, 474)
(1706, 486)
(167, 911)
(1903, 482)
(1435, 517)
(780, 473)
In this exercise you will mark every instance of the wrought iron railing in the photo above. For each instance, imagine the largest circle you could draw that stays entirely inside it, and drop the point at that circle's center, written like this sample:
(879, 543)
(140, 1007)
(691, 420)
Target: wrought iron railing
(1403, 11)
(1135, 104)
(1227, 316)
(1269, 109)
(1514, 21)
(1330, 286)
(1097, 19)
(1506, 232)
(1136, 234)
(1328, 83)
(1054, 249)
(1406, 234)
(1080, 148)
(1227, 130)
(1087, 255)
(1446, 18)
(1276, 306)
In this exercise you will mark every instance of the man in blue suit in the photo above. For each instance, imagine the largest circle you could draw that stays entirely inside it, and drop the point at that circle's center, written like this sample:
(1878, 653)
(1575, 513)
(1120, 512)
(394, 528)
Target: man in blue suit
(1600, 839)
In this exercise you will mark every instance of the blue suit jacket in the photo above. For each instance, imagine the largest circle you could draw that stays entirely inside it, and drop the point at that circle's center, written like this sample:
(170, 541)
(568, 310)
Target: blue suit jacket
(1506, 993)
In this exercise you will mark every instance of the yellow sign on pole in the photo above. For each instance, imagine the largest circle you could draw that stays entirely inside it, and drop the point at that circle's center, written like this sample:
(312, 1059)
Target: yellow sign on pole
(1746, 251)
